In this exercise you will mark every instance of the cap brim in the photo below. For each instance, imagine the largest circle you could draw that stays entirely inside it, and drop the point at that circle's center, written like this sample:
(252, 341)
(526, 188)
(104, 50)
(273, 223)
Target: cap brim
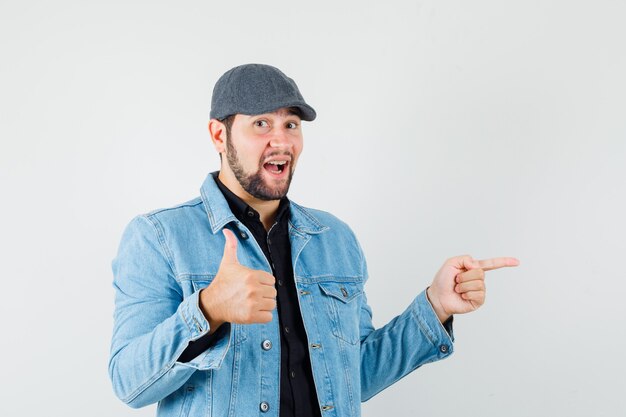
(306, 112)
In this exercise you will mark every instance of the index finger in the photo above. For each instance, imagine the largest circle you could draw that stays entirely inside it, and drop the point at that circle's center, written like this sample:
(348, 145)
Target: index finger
(495, 263)
(265, 278)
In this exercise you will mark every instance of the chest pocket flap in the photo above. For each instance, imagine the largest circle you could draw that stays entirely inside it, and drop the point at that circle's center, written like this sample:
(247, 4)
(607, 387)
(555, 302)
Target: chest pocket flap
(342, 291)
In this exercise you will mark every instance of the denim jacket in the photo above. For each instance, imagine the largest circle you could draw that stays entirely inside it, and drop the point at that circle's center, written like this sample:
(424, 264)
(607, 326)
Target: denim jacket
(166, 256)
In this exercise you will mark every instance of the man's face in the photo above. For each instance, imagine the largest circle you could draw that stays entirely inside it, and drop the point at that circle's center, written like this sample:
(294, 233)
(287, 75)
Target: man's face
(262, 152)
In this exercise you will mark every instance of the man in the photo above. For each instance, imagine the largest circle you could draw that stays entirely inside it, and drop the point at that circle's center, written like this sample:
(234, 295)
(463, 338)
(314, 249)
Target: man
(241, 302)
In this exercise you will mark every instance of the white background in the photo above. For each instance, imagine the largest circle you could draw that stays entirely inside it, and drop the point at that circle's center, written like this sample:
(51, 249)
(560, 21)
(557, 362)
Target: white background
(490, 128)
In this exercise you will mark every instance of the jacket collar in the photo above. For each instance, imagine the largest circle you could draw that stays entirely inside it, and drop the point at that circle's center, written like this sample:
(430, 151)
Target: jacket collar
(220, 214)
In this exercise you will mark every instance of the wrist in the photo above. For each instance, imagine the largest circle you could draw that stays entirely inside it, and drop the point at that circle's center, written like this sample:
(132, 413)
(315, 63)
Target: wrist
(442, 315)
(208, 310)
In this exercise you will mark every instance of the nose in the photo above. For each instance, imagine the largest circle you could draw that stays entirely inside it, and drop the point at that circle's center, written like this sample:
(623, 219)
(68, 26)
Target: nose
(281, 139)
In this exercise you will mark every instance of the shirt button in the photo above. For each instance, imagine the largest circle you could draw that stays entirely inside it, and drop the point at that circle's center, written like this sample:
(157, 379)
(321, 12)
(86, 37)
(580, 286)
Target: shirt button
(243, 235)
(280, 282)
(443, 349)
(266, 345)
(250, 213)
(286, 329)
(269, 241)
(292, 374)
(264, 406)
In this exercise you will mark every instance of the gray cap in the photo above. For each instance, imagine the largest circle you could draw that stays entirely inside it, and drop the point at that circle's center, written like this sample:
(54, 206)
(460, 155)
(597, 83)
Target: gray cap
(256, 89)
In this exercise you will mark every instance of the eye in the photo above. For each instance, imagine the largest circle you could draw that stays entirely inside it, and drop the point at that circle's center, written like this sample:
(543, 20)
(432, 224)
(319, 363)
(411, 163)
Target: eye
(292, 125)
(261, 123)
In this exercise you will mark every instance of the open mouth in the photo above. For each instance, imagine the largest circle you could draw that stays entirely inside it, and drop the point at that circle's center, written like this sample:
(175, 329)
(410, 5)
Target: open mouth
(276, 167)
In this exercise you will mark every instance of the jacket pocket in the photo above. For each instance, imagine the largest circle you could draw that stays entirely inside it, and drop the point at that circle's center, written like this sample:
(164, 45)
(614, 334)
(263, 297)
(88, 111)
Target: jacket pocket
(192, 283)
(343, 301)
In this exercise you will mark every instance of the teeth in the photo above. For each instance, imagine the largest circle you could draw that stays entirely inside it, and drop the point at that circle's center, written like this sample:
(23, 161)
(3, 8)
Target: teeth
(277, 162)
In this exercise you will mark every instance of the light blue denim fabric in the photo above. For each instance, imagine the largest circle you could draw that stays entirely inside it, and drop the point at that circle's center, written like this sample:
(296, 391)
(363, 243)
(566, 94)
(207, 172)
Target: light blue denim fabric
(165, 258)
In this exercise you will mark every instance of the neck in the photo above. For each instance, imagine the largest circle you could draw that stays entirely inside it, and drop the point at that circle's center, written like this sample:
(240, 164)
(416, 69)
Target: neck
(266, 208)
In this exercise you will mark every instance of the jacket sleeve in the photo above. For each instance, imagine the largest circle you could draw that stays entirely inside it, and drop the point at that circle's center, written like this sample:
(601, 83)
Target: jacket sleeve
(153, 324)
(408, 341)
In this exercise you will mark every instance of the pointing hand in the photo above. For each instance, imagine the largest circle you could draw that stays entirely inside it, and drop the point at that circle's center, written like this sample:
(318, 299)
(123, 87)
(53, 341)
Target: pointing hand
(459, 286)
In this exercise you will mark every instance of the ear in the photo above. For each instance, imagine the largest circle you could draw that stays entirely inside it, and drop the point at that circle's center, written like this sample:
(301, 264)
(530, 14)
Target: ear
(217, 130)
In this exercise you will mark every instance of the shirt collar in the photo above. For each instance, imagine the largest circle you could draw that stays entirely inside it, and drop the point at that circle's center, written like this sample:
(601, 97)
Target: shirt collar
(303, 220)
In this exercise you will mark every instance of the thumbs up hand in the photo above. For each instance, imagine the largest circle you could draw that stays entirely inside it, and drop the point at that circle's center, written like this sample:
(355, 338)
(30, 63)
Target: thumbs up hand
(459, 286)
(237, 294)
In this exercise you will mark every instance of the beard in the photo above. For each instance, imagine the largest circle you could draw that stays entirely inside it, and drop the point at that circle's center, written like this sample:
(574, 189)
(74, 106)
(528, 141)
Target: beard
(254, 183)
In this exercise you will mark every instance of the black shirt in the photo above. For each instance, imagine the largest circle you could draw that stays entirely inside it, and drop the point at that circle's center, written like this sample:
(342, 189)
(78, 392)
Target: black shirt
(298, 397)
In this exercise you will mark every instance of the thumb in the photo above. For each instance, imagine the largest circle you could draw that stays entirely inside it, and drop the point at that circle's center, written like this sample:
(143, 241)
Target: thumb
(468, 263)
(230, 248)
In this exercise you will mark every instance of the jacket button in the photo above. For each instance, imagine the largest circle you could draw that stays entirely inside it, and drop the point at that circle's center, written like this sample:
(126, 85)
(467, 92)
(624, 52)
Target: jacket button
(267, 345)
(344, 292)
(443, 349)
(264, 406)
(243, 235)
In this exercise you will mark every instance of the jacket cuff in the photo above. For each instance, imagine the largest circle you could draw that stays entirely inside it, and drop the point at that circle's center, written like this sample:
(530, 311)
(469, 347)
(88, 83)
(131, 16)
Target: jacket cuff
(430, 325)
(198, 327)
